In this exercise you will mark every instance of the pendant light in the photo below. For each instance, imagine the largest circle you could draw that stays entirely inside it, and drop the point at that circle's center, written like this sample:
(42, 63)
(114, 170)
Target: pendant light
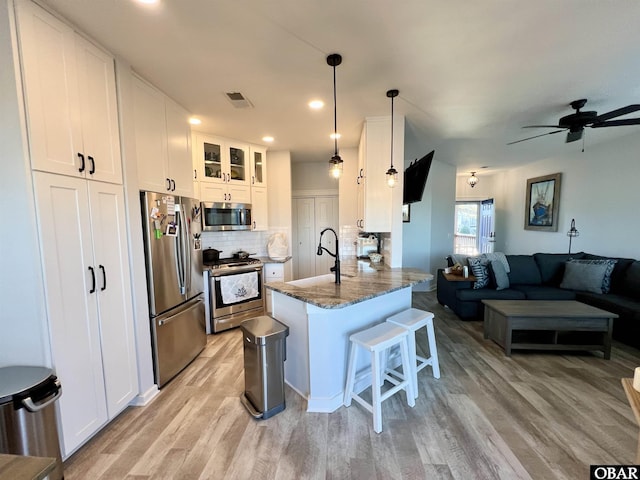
(392, 173)
(335, 164)
(472, 180)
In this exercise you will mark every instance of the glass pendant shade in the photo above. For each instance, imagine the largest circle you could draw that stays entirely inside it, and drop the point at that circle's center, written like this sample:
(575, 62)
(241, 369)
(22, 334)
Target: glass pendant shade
(392, 177)
(335, 166)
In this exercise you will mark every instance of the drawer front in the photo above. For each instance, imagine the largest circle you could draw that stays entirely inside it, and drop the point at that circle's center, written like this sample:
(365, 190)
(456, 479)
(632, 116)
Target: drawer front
(274, 272)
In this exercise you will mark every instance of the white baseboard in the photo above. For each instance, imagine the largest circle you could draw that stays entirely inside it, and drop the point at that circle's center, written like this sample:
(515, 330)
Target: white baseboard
(143, 399)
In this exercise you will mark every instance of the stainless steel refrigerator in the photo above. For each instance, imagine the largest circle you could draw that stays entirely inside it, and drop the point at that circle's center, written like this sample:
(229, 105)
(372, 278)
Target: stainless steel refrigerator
(173, 256)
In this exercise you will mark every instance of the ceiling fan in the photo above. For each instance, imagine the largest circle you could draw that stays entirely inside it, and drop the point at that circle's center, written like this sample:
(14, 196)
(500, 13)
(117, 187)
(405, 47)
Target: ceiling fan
(576, 122)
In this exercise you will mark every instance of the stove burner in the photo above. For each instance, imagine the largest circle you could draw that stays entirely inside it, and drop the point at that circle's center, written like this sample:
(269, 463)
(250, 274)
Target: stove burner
(231, 262)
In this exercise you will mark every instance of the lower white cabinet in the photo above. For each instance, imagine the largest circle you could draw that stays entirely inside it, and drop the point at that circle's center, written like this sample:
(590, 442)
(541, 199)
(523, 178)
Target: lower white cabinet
(274, 272)
(89, 306)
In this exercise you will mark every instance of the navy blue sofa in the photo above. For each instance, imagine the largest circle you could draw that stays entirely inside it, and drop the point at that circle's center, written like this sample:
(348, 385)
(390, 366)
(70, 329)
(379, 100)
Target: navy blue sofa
(538, 277)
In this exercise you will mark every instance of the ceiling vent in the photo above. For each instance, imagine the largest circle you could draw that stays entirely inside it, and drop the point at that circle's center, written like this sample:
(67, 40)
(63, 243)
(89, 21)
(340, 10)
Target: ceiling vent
(238, 100)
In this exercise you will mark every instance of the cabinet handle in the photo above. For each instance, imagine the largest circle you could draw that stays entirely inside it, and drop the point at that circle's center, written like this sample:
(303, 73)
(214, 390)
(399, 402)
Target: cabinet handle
(254, 224)
(93, 280)
(173, 185)
(361, 172)
(253, 180)
(92, 170)
(81, 169)
(229, 195)
(228, 177)
(195, 174)
(168, 184)
(104, 278)
(358, 180)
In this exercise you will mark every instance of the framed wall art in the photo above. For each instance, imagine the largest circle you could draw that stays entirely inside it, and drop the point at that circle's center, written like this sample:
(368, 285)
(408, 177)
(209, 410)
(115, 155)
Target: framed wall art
(543, 203)
(406, 213)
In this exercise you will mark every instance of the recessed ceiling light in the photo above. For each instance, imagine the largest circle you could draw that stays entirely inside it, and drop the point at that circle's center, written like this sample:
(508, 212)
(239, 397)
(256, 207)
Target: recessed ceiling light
(195, 121)
(334, 136)
(267, 138)
(316, 104)
(147, 1)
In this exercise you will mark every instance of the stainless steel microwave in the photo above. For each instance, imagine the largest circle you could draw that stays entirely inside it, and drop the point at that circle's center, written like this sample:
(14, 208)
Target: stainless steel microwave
(222, 216)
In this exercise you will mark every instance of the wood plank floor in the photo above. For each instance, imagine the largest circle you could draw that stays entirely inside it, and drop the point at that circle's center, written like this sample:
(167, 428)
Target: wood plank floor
(533, 415)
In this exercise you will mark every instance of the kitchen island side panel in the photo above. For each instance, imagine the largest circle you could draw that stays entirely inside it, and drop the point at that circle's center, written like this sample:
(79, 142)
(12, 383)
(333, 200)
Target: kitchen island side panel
(318, 343)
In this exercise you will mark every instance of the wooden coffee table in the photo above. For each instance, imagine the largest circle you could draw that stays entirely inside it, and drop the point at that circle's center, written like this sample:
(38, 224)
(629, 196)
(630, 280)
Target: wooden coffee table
(548, 322)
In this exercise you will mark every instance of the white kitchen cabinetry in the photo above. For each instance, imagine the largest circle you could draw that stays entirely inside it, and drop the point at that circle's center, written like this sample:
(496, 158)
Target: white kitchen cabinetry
(89, 305)
(70, 98)
(258, 156)
(223, 169)
(163, 141)
(259, 209)
(374, 196)
(274, 272)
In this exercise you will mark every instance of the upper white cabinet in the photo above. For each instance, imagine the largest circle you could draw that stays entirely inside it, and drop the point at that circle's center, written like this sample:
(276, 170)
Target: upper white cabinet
(223, 168)
(70, 98)
(88, 296)
(375, 197)
(258, 156)
(163, 141)
(259, 209)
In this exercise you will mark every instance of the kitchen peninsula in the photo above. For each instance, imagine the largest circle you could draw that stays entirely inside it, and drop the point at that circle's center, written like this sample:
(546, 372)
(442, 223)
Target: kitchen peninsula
(321, 315)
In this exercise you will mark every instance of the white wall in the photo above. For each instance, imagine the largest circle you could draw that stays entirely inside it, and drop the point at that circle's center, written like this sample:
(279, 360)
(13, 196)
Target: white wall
(24, 339)
(312, 176)
(599, 188)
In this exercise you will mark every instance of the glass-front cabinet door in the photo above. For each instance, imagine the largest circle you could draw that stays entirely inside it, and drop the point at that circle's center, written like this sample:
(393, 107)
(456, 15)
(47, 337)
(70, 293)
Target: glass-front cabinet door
(212, 159)
(258, 166)
(238, 169)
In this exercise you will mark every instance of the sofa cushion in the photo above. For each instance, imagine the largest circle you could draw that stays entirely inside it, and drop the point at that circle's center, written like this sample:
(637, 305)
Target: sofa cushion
(524, 270)
(584, 276)
(489, 294)
(480, 268)
(545, 292)
(618, 304)
(631, 281)
(498, 275)
(551, 265)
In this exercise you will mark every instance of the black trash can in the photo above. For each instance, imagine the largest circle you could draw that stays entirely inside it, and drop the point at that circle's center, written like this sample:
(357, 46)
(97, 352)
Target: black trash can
(27, 414)
(264, 340)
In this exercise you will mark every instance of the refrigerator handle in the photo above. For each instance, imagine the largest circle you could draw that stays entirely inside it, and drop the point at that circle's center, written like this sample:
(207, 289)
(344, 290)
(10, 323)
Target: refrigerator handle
(177, 242)
(186, 250)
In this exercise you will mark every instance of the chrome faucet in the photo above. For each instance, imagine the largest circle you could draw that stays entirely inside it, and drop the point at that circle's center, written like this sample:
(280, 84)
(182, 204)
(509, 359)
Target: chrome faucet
(336, 266)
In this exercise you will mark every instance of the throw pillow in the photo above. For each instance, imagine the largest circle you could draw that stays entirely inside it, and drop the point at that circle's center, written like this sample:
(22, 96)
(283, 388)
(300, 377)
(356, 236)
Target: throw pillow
(583, 276)
(610, 264)
(479, 268)
(500, 276)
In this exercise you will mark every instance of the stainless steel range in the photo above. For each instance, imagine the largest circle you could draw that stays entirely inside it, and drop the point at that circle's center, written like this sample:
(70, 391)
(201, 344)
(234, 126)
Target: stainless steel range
(234, 292)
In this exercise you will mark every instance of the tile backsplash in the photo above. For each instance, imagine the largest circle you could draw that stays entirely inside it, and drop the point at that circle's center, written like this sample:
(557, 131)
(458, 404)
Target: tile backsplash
(253, 242)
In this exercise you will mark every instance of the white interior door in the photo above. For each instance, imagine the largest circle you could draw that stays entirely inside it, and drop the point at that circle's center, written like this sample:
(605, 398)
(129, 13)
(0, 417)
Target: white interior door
(326, 214)
(304, 243)
(486, 234)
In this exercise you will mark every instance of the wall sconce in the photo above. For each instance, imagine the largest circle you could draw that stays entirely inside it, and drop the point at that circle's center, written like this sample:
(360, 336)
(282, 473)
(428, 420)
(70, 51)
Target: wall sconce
(472, 180)
(392, 173)
(573, 232)
(335, 164)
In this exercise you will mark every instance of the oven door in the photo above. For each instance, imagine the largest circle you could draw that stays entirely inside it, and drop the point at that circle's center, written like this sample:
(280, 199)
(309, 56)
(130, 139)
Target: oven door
(235, 295)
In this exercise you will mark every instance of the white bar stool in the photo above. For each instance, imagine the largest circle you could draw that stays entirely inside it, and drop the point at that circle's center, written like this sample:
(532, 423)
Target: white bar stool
(413, 319)
(378, 339)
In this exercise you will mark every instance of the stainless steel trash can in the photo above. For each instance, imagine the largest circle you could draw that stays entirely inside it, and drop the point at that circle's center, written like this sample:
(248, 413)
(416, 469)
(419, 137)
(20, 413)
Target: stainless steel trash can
(27, 414)
(264, 340)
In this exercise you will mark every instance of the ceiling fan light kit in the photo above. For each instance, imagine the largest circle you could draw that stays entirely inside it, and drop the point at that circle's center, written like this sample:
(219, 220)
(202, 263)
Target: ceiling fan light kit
(335, 164)
(575, 123)
(392, 173)
(472, 180)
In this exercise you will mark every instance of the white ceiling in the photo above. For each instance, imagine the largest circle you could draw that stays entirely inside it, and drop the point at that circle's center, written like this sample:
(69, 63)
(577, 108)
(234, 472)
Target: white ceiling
(470, 74)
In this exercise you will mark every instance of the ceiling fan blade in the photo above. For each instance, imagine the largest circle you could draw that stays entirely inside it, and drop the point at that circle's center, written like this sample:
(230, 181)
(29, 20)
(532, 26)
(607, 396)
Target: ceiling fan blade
(536, 136)
(617, 123)
(618, 112)
(574, 136)
(543, 126)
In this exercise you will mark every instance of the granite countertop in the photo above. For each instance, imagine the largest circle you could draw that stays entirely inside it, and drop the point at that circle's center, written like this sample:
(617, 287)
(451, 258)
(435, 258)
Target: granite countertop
(360, 280)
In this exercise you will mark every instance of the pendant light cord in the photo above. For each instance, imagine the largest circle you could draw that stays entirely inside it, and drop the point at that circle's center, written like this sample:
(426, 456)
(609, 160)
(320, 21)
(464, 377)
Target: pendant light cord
(392, 132)
(335, 114)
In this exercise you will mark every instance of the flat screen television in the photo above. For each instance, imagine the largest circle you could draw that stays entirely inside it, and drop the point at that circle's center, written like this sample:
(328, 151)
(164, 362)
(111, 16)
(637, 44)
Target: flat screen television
(415, 178)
